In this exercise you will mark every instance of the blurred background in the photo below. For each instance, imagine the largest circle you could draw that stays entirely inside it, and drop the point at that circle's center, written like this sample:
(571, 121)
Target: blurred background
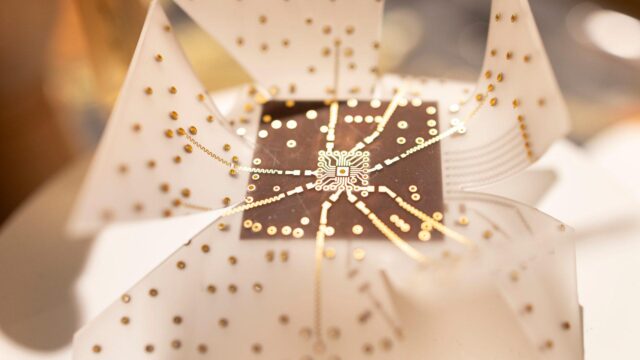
(62, 63)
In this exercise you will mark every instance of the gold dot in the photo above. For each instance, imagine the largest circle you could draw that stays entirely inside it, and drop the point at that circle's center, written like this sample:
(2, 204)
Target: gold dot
(437, 216)
(500, 77)
(96, 349)
(256, 348)
(149, 348)
(257, 287)
(226, 201)
(493, 52)
(463, 220)
(386, 344)
(509, 55)
(232, 288)
(333, 333)
(330, 253)
(298, 233)
(357, 229)
(514, 18)
(232, 260)
(487, 234)
(148, 90)
(348, 52)
(126, 298)
(305, 333)
(548, 344)
(166, 213)
(151, 164)
(283, 319)
(176, 344)
(185, 192)
(269, 256)
(193, 130)
(493, 101)
(223, 323)
(359, 254)
(123, 169)
(514, 276)
(205, 248)
(262, 19)
(515, 103)
(202, 348)
(188, 149)
(177, 320)
(498, 16)
(164, 187)
(240, 41)
(528, 308)
(284, 256)
(308, 21)
(181, 265)
(173, 115)
(367, 348)
(226, 147)
(173, 90)
(167, 28)
(153, 292)
(527, 58)
(566, 325)
(211, 289)
(326, 29)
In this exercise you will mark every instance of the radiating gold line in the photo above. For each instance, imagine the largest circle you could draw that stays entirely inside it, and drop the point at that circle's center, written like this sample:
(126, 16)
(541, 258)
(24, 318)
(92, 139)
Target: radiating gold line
(249, 169)
(431, 141)
(266, 201)
(196, 207)
(426, 218)
(319, 253)
(386, 231)
(391, 108)
(333, 119)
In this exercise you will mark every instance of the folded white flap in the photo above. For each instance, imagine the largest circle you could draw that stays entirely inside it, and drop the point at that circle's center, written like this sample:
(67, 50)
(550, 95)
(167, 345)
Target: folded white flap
(143, 167)
(289, 47)
(516, 111)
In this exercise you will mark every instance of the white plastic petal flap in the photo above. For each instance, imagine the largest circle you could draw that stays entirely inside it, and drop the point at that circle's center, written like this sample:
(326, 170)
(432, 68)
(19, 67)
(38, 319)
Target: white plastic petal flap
(299, 49)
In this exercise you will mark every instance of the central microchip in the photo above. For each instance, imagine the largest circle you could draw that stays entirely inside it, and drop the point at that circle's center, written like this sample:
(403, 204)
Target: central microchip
(293, 136)
(342, 170)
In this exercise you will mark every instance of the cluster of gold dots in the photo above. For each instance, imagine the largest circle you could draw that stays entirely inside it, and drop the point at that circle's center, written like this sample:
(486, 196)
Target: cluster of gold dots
(400, 223)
